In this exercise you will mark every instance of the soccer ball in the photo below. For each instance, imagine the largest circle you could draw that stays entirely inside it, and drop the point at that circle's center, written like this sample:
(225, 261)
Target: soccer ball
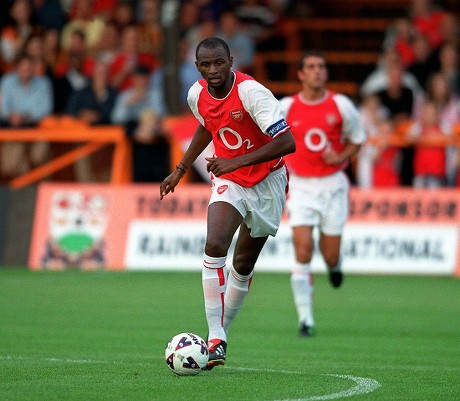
(186, 354)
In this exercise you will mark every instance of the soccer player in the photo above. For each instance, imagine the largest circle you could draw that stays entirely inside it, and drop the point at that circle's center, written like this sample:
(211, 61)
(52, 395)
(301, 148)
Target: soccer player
(246, 124)
(328, 133)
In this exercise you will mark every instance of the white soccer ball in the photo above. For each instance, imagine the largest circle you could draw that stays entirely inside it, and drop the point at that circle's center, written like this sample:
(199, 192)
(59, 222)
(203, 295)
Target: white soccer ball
(186, 354)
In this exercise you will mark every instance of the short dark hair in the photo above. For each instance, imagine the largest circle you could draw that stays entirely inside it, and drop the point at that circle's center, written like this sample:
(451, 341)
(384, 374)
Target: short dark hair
(311, 53)
(212, 43)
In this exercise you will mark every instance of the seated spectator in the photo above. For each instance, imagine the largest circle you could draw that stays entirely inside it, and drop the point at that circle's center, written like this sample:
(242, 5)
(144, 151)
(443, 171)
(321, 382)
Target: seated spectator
(429, 160)
(128, 58)
(137, 110)
(26, 100)
(14, 35)
(94, 102)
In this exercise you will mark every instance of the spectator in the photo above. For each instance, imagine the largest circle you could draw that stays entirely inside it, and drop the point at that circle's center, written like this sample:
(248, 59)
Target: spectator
(241, 44)
(425, 60)
(429, 161)
(258, 20)
(93, 104)
(34, 48)
(82, 19)
(123, 15)
(399, 36)
(371, 113)
(72, 71)
(427, 20)
(26, 100)
(51, 49)
(128, 59)
(189, 17)
(449, 65)
(50, 14)
(137, 110)
(196, 34)
(377, 80)
(399, 100)
(149, 26)
(109, 45)
(14, 35)
(378, 161)
(440, 93)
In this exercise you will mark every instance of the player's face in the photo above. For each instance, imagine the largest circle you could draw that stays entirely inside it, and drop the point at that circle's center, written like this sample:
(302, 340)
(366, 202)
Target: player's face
(313, 73)
(214, 66)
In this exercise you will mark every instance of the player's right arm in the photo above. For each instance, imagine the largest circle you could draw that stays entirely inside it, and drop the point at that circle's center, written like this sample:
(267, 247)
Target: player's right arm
(200, 141)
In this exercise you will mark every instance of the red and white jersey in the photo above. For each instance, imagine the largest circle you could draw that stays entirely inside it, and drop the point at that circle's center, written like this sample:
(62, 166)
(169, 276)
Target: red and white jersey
(324, 124)
(245, 120)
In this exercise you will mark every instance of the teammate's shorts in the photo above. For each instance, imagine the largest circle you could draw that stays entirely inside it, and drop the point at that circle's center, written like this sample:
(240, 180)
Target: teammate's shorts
(261, 205)
(319, 201)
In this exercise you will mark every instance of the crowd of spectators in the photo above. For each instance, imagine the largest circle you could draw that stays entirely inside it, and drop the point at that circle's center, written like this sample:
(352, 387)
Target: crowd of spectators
(416, 86)
(101, 61)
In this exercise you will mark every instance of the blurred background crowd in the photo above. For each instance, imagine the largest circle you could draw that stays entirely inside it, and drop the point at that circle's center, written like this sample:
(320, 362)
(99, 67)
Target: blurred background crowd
(104, 62)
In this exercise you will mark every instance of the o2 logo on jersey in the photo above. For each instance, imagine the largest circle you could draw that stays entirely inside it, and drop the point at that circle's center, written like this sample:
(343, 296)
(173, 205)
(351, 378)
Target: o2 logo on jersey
(229, 135)
(316, 140)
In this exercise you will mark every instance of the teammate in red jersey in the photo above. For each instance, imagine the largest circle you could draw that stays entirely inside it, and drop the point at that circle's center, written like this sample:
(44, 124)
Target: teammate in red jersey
(246, 124)
(328, 133)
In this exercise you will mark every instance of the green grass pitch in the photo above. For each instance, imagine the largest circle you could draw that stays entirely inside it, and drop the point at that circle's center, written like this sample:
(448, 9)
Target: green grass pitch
(101, 336)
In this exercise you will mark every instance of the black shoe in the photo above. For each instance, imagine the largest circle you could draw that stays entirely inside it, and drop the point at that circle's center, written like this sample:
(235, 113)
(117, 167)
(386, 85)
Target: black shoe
(217, 349)
(336, 278)
(306, 331)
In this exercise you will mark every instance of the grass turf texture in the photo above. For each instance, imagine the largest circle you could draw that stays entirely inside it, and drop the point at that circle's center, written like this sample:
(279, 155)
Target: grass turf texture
(101, 336)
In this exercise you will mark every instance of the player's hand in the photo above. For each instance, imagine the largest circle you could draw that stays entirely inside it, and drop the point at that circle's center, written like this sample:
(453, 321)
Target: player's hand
(331, 157)
(219, 165)
(170, 182)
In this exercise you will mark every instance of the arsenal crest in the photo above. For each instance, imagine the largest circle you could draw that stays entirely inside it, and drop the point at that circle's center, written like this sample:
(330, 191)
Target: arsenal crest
(237, 114)
(222, 189)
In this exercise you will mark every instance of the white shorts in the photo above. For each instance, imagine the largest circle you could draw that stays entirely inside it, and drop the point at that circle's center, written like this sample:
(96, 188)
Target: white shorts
(261, 205)
(319, 201)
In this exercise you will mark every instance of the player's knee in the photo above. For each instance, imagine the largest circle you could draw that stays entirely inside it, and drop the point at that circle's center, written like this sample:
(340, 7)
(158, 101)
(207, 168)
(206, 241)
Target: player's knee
(303, 255)
(243, 266)
(331, 259)
(216, 248)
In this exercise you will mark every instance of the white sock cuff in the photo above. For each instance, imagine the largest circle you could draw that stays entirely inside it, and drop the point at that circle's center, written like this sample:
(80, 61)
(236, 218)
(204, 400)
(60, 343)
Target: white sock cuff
(210, 262)
(301, 269)
(239, 277)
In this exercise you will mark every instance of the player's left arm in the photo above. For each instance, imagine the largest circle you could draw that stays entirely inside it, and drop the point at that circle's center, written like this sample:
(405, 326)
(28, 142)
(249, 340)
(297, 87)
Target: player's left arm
(353, 133)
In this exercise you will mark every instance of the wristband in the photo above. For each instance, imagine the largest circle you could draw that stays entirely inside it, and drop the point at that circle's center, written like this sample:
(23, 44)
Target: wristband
(180, 168)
